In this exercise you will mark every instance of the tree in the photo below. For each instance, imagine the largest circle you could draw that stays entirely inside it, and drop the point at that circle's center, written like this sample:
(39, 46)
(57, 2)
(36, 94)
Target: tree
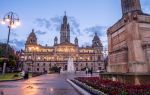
(1, 62)
(13, 58)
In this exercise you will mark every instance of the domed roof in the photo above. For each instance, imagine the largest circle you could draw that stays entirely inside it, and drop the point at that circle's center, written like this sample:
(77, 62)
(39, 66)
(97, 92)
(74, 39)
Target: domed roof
(32, 33)
(32, 38)
(96, 41)
(55, 38)
(96, 38)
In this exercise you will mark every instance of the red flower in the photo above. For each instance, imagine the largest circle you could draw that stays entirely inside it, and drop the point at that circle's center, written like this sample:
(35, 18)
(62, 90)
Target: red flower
(114, 87)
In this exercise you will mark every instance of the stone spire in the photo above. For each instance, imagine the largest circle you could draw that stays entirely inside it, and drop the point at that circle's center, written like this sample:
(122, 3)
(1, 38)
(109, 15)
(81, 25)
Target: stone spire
(55, 41)
(76, 41)
(130, 6)
(65, 18)
(32, 39)
(65, 30)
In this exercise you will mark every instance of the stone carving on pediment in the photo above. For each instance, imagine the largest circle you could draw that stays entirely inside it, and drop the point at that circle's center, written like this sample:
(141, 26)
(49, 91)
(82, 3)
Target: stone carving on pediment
(131, 17)
(135, 16)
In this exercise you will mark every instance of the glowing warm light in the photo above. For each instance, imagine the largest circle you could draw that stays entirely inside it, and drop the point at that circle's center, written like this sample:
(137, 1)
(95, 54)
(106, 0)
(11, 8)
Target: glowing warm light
(7, 19)
(2, 22)
(29, 49)
(13, 26)
(37, 48)
(51, 89)
(17, 23)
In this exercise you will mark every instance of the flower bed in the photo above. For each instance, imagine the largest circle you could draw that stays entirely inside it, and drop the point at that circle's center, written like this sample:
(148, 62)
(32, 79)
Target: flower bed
(90, 89)
(115, 88)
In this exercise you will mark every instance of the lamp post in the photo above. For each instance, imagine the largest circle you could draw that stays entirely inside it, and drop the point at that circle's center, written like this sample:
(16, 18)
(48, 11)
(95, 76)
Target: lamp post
(12, 20)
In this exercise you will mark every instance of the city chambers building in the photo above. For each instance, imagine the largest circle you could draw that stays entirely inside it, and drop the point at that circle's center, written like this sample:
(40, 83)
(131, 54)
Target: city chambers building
(38, 58)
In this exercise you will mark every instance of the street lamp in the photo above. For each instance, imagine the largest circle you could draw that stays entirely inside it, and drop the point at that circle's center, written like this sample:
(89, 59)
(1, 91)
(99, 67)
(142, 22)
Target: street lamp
(12, 20)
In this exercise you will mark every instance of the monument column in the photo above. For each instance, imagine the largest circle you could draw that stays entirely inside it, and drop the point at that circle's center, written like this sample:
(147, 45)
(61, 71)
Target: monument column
(135, 51)
(109, 51)
(130, 6)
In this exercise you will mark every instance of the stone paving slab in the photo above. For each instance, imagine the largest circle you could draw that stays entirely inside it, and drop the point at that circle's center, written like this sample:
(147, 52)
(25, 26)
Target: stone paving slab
(49, 84)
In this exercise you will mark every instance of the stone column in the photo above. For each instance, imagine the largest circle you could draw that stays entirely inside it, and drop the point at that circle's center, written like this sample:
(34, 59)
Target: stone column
(135, 50)
(109, 50)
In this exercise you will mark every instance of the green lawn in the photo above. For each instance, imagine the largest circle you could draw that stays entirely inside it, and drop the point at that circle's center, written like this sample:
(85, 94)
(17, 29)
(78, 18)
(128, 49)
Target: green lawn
(10, 76)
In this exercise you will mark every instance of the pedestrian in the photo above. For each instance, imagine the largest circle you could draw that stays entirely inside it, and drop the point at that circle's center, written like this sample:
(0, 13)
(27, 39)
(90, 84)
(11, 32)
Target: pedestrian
(59, 70)
(26, 76)
(1, 93)
(91, 71)
(22, 74)
(86, 70)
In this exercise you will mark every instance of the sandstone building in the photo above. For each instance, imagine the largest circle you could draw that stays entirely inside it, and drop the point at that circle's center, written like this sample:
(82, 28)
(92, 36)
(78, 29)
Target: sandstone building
(38, 58)
(129, 40)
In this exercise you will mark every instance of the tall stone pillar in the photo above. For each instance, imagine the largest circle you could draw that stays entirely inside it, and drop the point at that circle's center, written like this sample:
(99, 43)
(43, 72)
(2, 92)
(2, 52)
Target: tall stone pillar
(109, 51)
(130, 6)
(136, 57)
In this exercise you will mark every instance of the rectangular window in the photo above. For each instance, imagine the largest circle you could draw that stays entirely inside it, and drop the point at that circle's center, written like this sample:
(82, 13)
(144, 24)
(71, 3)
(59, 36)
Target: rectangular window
(86, 64)
(29, 69)
(43, 64)
(50, 65)
(99, 68)
(76, 69)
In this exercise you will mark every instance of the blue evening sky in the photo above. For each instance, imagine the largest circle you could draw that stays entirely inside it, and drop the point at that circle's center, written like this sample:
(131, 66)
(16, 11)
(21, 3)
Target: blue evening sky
(85, 16)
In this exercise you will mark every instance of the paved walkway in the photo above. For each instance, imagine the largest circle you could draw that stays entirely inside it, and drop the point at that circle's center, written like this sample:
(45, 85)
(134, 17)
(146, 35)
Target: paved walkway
(49, 84)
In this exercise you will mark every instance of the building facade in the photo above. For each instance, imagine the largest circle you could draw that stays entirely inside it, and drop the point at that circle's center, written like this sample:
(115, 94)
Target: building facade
(38, 58)
(129, 40)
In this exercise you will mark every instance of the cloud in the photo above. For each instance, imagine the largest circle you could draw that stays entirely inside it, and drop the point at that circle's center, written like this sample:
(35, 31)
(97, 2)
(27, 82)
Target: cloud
(3, 40)
(54, 24)
(13, 34)
(42, 22)
(17, 44)
(57, 19)
(40, 32)
(100, 30)
(146, 6)
(75, 26)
